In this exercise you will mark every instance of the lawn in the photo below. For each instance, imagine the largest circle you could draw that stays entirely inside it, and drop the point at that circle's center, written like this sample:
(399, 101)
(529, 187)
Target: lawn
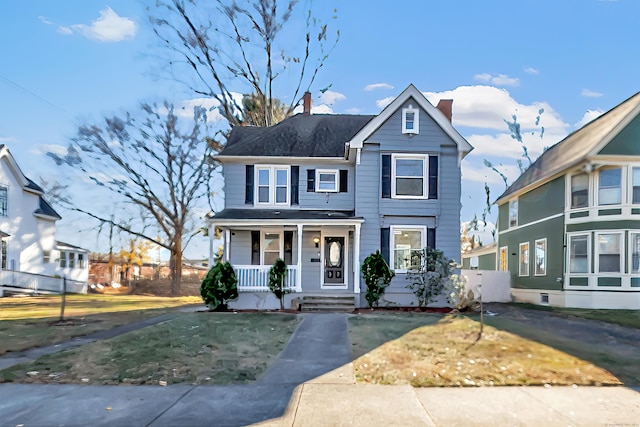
(27, 322)
(194, 348)
(435, 350)
(628, 318)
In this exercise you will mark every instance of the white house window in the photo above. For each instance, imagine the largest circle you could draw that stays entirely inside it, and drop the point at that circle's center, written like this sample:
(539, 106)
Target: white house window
(579, 254)
(405, 241)
(580, 191)
(272, 187)
(524, 259)
(63, 259)
(272, 247)
(609, 187)
(635, 183)
(326, 181)
(410, 120)
(609, 252)
(4, 201)
(409, 176)
(541, 257)
(72, 260)
(81, 263)
(634, 242)
(504, 261)
(46, 257)
(513, 213)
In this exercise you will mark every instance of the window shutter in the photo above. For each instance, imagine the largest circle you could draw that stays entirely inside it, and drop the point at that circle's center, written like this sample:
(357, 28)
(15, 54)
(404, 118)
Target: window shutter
(431, 238)
(385, 233)
(255, 248)
(311, 180)
(248, 189)
(344, 181)
(295, 181)
(288, 247)
(386, 176)
(433, 177)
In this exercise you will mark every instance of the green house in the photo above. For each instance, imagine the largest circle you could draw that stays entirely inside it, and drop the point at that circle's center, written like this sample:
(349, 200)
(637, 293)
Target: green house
(569, 226)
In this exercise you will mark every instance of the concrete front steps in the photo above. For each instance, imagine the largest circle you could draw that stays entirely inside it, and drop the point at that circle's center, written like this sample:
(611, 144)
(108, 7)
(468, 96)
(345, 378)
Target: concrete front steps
(328, 303)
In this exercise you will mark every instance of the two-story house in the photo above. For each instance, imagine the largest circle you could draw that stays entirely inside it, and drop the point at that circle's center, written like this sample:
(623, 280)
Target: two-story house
(323, 192)
(569, 226)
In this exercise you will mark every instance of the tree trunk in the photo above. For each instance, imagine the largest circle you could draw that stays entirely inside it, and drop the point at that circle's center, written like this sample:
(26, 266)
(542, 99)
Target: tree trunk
(175, 264)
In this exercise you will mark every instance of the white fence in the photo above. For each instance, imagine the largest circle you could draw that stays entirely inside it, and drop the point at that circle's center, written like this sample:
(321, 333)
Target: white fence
(255, 278)
(19, 281)
(496, 285)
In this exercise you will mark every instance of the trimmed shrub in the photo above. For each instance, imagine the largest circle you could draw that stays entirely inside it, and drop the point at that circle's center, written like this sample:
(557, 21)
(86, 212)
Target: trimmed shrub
(219, 286)
(377, 276)
(277, 274)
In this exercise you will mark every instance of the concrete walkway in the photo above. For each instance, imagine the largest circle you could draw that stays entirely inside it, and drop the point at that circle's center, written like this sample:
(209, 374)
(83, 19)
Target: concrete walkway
(311, 383)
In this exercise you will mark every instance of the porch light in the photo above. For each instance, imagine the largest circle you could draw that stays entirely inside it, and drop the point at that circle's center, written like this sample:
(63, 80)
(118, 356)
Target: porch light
(316, 240)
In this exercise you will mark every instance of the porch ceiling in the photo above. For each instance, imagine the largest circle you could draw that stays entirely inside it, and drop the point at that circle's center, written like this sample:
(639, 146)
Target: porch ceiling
(284, 216)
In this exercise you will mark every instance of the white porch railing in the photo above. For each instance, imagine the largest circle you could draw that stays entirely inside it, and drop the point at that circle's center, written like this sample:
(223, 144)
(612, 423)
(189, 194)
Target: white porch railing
(255, 278)
(34, 283)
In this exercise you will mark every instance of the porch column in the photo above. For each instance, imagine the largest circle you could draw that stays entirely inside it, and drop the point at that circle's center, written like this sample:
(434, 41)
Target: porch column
(227, 243)
(356, 260)
(299, 269)
(212, 230)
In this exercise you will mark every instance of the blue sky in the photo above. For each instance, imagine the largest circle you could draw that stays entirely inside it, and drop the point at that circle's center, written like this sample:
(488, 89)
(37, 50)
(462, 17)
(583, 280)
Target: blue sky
(72, 61)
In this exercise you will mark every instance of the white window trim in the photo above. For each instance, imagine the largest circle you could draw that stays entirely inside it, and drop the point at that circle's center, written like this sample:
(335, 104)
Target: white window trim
(516, 201)
(630, 251)
(272, 185)
(570, 194)
(620, 251)
(520, 259)
(629, 186)
(392, 252)
(535, 264)
(416, 120)
(623, 185)
(280, 234)
(568, 260)
(506, 258)
(425, 175)
(327, 172)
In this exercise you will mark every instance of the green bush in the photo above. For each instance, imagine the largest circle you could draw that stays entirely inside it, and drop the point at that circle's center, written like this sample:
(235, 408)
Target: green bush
(277, 274)
(377, 276)
(431, 275)
(219, 286)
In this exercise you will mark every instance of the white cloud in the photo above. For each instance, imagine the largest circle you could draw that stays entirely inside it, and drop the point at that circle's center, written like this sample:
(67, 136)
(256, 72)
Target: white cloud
(498, 79)
(43, 149)
(6, 139)
(531, 70)
(331, 97)
(315, 109)
(61, 29)
(589, 116)
(381, 103)
(354, 110)
(375, 86)
(590, 94)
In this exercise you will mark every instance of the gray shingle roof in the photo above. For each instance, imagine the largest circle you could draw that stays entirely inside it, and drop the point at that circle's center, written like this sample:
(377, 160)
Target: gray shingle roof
(46, 209)
(293, 214)
(316, 135)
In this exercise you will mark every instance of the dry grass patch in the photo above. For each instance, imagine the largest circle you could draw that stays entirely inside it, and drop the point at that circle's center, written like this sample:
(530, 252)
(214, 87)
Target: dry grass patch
(433, 350)
(28, 322)
(195, 348)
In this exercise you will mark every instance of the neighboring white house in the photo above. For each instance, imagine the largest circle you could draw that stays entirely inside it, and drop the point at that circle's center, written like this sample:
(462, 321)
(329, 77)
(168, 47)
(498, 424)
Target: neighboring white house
(28, 228)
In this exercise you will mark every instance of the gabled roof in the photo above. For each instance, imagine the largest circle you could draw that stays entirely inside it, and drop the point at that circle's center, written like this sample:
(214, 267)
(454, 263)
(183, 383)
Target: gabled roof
(576, 147)
(411, 92)
(315, 135)
(45, 209)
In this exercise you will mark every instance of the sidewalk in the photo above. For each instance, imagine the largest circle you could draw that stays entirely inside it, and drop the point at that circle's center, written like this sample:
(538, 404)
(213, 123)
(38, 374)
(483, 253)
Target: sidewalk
(312, 384)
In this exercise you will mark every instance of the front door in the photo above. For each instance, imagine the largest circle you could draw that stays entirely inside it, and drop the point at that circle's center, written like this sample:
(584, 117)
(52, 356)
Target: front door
(334, 260)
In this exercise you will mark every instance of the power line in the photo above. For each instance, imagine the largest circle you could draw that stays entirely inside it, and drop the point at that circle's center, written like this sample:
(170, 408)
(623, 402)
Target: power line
(35, 95)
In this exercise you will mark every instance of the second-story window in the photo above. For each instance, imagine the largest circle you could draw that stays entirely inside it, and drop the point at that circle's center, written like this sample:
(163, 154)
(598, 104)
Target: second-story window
(409, 176)
(609, 186)
(580, 191)
(4, 201)
(272, 185)
(635, 185)
(513, 213)
(326, 181)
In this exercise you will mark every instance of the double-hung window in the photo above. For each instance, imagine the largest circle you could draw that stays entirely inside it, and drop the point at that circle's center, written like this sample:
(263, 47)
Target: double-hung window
(63, 259)
(272, 247)
(524, 259)
(579, 191)
(406, 244)
(609, 186)
(410, 120)
(635, 185)
(609, 250)
(81, 261)
(540, 257)
(272, 185)
(409, 176)
(4, 201)
(513, 213)
(634, 250)
(326, 181)
(72, 260)
(579, 253)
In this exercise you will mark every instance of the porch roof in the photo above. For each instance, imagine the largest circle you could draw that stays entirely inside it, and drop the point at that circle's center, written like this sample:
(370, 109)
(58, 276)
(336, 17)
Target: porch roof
(278, 216)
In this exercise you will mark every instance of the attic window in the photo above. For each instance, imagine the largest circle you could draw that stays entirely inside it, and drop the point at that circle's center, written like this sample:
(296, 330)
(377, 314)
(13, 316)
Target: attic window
(410, 120)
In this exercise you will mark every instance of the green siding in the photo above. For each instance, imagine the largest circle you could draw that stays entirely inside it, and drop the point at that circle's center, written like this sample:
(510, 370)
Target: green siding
(609, 281)
(553, 231)
(635, 211)
(604, 225)
(503, 217)
(487, 261)
(578, 281)
(609, 211)
(635, 282)
(466, 263)
(579, 214)
(542, 202)
(626, 141)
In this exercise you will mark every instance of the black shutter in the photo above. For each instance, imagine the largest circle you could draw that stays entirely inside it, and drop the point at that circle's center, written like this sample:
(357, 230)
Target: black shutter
(433, 177)
(386, 176)
(431, 238)
(344, 181)
(295, 181)
(288, 247)
(311, 180)
(248, 188)
(385, 233)
(255, 248)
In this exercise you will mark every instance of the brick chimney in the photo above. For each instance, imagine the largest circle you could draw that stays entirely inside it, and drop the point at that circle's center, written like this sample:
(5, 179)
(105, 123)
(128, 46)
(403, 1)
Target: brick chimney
(446, 107)
(306, 103)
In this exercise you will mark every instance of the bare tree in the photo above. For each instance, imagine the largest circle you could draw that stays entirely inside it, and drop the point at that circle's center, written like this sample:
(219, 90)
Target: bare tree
(236, 47)
(156, 165)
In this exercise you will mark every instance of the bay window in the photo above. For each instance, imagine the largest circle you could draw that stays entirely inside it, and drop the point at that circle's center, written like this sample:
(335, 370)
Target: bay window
(634, 243)
(609, 186)
(580, 191)
(609, 252)
(579, 254)
(635, 185)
